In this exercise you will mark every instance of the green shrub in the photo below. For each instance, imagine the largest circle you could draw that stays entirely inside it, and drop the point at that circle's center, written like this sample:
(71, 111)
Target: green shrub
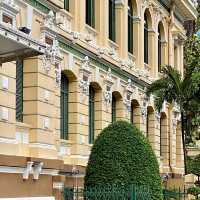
(121, 155)
(195, 191)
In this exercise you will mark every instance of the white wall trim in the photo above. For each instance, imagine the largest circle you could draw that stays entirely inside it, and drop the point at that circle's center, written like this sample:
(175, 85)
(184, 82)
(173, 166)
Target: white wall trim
(20, 170)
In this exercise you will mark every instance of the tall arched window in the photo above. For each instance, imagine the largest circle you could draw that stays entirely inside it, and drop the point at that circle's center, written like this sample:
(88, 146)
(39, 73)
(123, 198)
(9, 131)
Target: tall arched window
(112, 25)
(159, 50)
(164, 138)
(91, 114)
(130, 26)
(114, 104)
(66, 5)
(146, 39)
(64, 91)
(90, 13)
(19, 90)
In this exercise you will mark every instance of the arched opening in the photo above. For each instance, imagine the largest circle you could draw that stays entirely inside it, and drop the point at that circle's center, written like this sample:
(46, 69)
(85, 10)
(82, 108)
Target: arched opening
(67, 90)
(135, 113)
(64, 105)
(94, 99)
(149, 121)
(164, 139)
(112, 20)
(161, 37)
(19, 90)
(116, 101)
(91, 114)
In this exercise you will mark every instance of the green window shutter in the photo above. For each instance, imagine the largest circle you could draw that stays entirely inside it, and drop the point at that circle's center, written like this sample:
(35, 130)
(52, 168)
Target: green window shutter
(114, 102)
(66, 5)
(132, 114)
(130, 26)
(90, 13)
(64, 107)
(147, 124)
(159, 50)
(146, 39)
(112, 21)
(91, 114)
(19, 90)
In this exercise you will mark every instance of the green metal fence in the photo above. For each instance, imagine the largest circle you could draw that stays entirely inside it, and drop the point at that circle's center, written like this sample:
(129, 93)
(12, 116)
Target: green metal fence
(174, 194)
(107, 193)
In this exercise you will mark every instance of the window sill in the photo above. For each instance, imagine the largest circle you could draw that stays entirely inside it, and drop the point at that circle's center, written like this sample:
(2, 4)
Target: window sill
(131, 57)
(66, 13)
(22, 125)
(147, 67)
(113, 44)
(91, 30)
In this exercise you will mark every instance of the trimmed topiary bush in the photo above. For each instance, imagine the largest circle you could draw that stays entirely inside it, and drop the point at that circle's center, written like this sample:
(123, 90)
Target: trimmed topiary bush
(121, 155)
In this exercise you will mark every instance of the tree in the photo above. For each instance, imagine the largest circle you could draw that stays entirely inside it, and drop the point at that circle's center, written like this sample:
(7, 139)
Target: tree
(122, 156)
(192, 68)
(172, 88)
(194, 168)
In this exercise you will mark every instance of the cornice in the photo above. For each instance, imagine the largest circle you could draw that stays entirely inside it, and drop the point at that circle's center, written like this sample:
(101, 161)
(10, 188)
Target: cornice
(80, 51)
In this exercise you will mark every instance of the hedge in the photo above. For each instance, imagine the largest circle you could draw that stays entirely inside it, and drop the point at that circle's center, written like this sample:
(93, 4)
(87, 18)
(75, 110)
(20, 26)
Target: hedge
(121, 155)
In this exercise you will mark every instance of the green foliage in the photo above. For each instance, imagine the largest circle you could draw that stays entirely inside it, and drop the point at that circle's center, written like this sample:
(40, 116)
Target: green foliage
(195, 191)
(121, 155)
(195, 165)
(192, 70)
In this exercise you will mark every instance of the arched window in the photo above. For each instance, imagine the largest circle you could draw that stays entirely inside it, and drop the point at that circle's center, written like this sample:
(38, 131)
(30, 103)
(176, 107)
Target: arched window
(19, 90)
(90, 13)
(64, 107)
(135, 112)
(146, 39)
(114, 105)
(164, 139)
(91, 114)
(66, 5)
(149, 122)
(159, 50)
(130, 26)
(112, 25)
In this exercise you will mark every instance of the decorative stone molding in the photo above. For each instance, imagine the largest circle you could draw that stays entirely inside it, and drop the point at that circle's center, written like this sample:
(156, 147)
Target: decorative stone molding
(144, 100)
(101, 52)
(157, 117)
(64, 20)
(76, 36)
(84, 76)
(8, 12)
(127, 96)
(108, 83)
(90, 35)
(176, 117)
(52, 55)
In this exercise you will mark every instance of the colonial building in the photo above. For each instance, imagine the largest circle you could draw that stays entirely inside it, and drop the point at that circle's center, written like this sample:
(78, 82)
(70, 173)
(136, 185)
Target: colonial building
(71, 67)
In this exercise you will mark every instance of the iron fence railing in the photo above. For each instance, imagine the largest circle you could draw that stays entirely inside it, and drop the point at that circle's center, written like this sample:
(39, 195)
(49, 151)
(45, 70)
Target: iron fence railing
(107, 193)
(174, 194)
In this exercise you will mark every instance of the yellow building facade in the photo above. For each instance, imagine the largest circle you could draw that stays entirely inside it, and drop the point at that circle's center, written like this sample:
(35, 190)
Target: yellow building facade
(70, 68)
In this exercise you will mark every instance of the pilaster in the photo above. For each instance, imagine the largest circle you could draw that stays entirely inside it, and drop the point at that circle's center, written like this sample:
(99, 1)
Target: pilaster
(122, 28)
(102, 22)
(153, 52)
(138, 43)
(78, 12)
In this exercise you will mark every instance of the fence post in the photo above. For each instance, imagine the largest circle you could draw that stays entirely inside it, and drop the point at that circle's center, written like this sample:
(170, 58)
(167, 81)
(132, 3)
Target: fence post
(133, 192)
